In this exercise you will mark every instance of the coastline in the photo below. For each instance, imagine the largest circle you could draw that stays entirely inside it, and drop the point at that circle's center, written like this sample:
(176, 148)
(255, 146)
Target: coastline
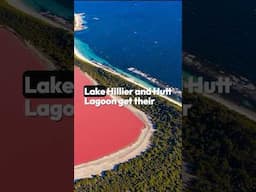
(79, 26)
(96, 167)
(142, 143)
(79, 22)
(241, 89)
(79, 56)
(28, 10)
(232, 106)
(45, 62)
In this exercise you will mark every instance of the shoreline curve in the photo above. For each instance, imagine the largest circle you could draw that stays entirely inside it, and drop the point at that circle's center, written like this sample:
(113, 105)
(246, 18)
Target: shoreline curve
(142, 143)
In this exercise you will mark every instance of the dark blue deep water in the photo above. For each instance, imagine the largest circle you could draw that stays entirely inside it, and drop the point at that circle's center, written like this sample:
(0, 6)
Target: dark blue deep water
(144, 35)
(222, 32)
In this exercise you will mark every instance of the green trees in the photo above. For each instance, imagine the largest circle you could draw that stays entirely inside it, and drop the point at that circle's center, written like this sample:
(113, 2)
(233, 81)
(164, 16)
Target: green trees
(157, 169)
(55, 43)
(220, 145)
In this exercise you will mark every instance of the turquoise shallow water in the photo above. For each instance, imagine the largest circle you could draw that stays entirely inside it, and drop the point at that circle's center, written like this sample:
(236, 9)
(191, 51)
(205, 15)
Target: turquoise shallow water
(60, 8)
(87, 52)
(142, 35)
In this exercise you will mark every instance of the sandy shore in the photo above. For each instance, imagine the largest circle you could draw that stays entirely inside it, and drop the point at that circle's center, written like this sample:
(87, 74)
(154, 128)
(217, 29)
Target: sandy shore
(26, 9)
(96, 167)
(232, 106)
(79, 56)
(44, 60)
(79, 22)
(79, 26)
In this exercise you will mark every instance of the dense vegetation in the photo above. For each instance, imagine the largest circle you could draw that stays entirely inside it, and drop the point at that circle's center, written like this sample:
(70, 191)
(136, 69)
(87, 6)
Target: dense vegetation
(219, 148)
(157, 169)
(55, 43)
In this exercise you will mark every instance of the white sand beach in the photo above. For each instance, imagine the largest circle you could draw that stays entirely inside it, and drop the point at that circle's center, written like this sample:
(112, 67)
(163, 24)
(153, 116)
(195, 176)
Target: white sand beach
(96, 167)
(79, 56)
(79, 22)
(79, 25)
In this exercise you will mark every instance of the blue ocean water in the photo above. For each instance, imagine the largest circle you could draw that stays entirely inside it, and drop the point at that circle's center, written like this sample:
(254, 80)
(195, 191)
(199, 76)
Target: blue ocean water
(61, 8)
(145, 35)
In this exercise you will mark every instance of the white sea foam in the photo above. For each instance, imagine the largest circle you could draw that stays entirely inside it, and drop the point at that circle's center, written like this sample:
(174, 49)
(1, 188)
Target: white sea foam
(96, 18)
(80, 23)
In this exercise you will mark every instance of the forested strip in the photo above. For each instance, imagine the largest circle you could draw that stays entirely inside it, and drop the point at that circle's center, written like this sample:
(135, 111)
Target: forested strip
(156, 170)
(55, 43)
(219, 147)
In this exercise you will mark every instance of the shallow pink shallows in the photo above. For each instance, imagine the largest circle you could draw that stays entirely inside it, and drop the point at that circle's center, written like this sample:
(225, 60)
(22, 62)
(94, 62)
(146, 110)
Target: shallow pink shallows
(100, 131)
